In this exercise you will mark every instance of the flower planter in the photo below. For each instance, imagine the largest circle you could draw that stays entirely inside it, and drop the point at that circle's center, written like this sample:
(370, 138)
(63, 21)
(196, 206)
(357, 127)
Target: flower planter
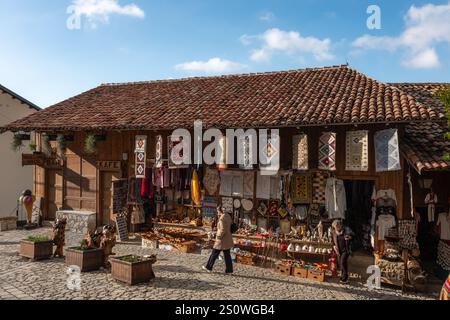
(36, 250)
(87, 260)
(132, 273)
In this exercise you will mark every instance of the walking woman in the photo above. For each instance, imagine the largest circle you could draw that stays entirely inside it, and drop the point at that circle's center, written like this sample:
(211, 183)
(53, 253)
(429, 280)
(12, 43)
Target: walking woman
(224, 242)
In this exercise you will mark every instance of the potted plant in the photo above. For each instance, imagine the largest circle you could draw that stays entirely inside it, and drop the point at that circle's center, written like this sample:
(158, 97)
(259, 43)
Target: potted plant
(90, 144)
(16, 143)
(132, 269)
(61, 146)
(32, 146)
(36, 247)
(46, 147)
(86, 257)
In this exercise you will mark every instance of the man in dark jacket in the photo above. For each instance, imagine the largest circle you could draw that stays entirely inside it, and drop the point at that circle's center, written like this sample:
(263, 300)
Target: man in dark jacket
(342, 237)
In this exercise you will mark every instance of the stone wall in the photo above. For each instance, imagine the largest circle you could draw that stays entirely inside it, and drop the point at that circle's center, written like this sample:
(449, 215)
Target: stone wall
(78, 225)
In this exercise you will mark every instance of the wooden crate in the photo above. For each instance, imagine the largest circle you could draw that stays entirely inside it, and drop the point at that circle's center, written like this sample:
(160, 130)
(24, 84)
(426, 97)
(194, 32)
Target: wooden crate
(187, 247)
(88, 260)
(248, 260)
(9, 223)
(316, 275)
(300, 272)
(283, 269)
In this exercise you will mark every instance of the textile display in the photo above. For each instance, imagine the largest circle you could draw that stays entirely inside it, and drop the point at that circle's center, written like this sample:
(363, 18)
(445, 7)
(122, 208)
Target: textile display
(262, 186)
(444, 225)
(301, 192)
(327, 151)
(270, 155)
(237, 189)
(211, 180)
(275, 191)
(227, 205)
(431, 200)
(226, 183)
(384, 223)
(357, 151)
(195, 189)
(445, 292)
(175, 151)
(273, 208)
(319, 183)
(141, 156)
(246, 163)
(443, 255)
(159, 151)
(335, 199)
(262, 208)
(407, 231)
(387, 154)
(249, 182)
(300, 152)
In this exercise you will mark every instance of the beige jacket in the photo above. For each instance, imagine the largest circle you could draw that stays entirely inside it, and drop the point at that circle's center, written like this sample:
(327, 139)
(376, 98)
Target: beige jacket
(224, 238)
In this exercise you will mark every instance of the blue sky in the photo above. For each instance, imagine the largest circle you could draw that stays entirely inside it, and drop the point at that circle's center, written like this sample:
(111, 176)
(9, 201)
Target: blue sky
(134, 40)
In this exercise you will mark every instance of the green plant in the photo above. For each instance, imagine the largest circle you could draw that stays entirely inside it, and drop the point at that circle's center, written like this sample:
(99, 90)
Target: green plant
(16, 143)
(61, 146)
(45, 145)
(444, 96)
(90, 144)
(83, 246)
(32, 145)
(131, 259)
(37, 239)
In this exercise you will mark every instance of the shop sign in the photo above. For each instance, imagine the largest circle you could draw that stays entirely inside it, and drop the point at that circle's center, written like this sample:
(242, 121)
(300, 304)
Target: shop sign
(35, 159)
(109, 165)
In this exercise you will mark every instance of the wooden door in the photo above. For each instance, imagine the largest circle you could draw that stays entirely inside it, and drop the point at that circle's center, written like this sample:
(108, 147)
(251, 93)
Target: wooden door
(54, 196)
(106, 199)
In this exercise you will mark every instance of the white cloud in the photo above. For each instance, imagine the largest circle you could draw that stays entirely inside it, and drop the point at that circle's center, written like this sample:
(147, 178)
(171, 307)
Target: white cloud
(101, 10)
(289, 42)
(213, 65)
(267, 16)
(425, 27)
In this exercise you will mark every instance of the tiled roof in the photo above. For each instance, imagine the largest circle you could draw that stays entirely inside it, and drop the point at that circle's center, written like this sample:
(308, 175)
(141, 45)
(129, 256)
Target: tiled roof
(330, 95)
(424, 146)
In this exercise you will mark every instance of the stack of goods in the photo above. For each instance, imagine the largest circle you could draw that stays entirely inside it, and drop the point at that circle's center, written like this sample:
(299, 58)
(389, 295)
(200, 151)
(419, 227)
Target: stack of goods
(182, 233)
(407, 231)
(443, 258)
(392, 252)
(391, 271)
(245, 257)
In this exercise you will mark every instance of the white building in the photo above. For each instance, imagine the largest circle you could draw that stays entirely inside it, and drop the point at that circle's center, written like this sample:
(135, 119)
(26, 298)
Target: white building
(13, 177)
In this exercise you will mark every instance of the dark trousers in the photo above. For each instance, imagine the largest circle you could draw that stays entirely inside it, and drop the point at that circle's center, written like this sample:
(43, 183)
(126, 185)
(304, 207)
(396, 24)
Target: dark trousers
(343, 265)
(215, 254)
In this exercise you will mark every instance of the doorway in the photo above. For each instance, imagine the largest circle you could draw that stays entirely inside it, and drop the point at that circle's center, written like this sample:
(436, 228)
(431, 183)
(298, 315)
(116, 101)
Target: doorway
(54, 194)
(106, 198)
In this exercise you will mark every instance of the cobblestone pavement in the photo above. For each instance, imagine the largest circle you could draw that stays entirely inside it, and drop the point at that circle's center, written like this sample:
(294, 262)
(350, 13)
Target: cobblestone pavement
(178, 276)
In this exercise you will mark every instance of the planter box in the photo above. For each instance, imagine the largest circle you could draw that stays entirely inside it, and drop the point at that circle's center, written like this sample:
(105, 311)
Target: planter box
(89, 260)
(132, 273)
(36, 250)
(9, 223)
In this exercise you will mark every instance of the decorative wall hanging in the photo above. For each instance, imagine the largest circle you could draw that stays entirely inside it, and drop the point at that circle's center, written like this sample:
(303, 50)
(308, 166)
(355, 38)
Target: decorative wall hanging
(211, 180)
(226, 183)
(319, 183)
(327, 151)
(387, 155)
(262, 208)
(175, 153)
(273, 208)
(249, 182)
(270, 154)
(262, 186)
(222, 153)
(227, 205)
(275, 189)
(247, 153)
(140, 150)
(237, 189)
(357, 151)
(300, 152)
(301, 189)
(247, 205)
(158, 151)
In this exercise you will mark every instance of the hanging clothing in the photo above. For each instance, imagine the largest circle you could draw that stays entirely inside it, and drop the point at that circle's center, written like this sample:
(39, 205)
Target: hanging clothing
(431, 201)
(444, 223)
(386, 198)
(335, 198)
(263, 186)
(384, 223)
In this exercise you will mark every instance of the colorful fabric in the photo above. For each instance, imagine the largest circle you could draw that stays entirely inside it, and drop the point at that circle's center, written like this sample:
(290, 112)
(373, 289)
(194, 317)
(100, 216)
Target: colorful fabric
(327, 151)
(300, 152)
(387, 155)
(211, 180)
(319, 183)
(445, 292)
(273, 208)
(158, 151)
(249, 181)
(357, 151)
(302, 189)
(195, 189)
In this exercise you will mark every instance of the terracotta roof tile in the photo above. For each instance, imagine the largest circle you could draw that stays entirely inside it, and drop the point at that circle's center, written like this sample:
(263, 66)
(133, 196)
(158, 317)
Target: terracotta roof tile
(329, 95)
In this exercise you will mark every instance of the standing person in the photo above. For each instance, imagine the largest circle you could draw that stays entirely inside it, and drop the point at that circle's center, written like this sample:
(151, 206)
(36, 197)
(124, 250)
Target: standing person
(342, 237)
(224, 242)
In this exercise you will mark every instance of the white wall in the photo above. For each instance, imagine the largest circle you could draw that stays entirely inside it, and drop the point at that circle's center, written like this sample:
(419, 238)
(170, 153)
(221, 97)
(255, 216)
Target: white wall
(13, 178)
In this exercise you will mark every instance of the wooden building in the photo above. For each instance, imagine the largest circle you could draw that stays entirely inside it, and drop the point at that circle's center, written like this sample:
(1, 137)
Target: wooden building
(310, 101)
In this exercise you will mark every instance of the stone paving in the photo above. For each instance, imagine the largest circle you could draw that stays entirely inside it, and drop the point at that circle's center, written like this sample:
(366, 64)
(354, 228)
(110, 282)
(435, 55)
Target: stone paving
(178, 276)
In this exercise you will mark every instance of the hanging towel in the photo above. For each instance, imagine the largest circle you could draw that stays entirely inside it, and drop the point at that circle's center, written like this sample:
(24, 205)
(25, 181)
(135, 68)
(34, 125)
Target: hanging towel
(262, 186)
(357, 151)
(300, 152)
(387, 155)
(327, 151)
